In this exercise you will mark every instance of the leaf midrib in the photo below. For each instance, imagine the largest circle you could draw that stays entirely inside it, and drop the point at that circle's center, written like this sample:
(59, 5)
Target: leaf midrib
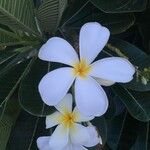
(136, 103)
(3, 11)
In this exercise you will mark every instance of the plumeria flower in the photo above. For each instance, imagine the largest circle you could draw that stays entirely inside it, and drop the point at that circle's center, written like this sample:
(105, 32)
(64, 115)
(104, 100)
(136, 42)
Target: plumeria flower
(69, 126)
(43, 142)
(89, 95)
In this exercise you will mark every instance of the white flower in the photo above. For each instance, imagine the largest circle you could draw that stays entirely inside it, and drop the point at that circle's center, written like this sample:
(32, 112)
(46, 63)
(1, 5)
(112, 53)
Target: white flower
(69, 129)
(74, 142)
(43, 142)
(89, 95)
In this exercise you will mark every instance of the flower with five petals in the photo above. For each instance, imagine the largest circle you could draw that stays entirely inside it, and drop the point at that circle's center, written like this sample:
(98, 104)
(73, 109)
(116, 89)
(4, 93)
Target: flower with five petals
(89, 95)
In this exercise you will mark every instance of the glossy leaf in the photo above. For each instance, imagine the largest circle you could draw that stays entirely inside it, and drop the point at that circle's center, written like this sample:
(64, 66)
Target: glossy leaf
(115, 130)
(121, 132)
(120, 6)
(26, 131)
(136, 56)
(28, 93)
(100, 123)
(6, 55)
(115, 108)
(143, 137)
(15, 60)
(10, 81)
(116, 23)
(50, 13)
(7, 37)
(19, 15)
(7, 120)
(70, 13)
(137, 103)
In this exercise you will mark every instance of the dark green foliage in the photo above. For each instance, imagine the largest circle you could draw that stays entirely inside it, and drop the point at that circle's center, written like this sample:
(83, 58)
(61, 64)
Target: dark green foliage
(25, 25)
(28, 93)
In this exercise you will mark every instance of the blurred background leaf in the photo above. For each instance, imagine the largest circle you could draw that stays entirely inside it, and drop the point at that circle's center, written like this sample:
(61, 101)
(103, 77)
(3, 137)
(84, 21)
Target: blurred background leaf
(116, 23)
(26, 131)
(136, 103)
(141, 60)
(8, 115)
(143, 139)
(29, 96)
(26, 24)
(19, 15)
(49, 14)
(120, 6)
(122, 132)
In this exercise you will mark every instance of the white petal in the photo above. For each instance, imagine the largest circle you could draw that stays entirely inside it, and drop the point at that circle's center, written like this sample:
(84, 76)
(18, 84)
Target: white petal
(95, 139)
(81, 117)
(90, 97)
(93, 38)
(55, 84)
(79, 134)
(114, 69)
(68, 147)
(58, 50)
(65, 105)
(43, 143)
(104, 82)
(76, 147)
(71, 146)
(59, 138)
(53, 119)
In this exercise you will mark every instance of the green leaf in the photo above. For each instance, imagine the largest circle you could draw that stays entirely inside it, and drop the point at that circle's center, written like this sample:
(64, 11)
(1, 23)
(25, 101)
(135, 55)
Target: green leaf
(50, 13)
(6, 55)
(7, 121)
(143, 26)
(115, 107)
(28, 93)
(26, 131)
(121, 132)
(120, 6)
(19, 15)
(72, 10)
(100, 123)
(116, 23)
(127, 49)
(115, 128)
(143, 137)
(137, 103)
(7, 37)
(14, 61)
(117, 47)
(10, 81)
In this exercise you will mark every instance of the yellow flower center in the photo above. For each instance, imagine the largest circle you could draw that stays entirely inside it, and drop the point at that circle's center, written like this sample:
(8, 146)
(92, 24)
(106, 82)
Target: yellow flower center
(68, 119)
(81, 69)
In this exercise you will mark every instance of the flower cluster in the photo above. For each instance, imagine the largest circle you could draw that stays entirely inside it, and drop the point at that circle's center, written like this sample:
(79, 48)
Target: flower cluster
(87, 77)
